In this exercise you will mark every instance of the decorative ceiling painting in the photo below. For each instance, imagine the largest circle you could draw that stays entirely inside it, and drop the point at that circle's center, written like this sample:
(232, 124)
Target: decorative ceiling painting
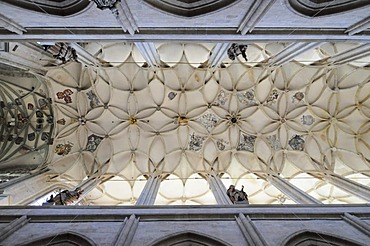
(246, 120)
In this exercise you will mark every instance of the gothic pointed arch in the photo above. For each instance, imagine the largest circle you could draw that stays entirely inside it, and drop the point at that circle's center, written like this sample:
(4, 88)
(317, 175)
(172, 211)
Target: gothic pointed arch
(191, 8)
(189, 238)
(304, 238)
(52, 7)
(315, 8)
(66, 238)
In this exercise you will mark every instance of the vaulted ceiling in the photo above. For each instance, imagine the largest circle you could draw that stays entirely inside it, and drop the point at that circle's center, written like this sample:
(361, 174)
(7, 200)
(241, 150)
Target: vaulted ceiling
(246, 120)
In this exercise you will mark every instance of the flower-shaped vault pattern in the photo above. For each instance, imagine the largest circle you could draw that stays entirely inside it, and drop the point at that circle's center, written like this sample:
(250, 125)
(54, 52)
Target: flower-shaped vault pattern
(244, 120)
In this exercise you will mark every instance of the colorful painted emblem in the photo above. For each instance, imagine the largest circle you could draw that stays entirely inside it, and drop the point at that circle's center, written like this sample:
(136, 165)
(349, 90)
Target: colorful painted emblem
(93, 142)
(246, 142)
(65, 95)
(133, 120)
(296, 142)
(63, 149)
(181, 120)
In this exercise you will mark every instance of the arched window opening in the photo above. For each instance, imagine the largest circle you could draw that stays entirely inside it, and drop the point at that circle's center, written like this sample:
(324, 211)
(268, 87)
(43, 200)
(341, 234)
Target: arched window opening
(189, 238)
(65, 239)
(307, 238)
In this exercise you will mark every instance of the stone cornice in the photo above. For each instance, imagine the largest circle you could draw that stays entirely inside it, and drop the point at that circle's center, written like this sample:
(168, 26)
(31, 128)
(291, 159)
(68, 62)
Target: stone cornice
(189, 213)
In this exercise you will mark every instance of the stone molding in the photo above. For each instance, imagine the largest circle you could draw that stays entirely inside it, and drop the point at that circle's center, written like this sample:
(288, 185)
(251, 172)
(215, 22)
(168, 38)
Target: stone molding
(254, 15)
(162, 213)
(314, 8)
(11, 25)
(190, 8)
(59, 8)
(358, 26)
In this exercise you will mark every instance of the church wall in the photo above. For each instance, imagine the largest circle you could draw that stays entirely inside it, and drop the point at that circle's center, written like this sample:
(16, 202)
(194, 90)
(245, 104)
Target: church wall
(103, 225)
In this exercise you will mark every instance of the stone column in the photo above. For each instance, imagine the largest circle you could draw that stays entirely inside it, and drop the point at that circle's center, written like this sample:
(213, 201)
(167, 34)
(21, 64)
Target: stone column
(149, 52)
(12, 227)
(218, 189)
(357, 223)
(150, 191)
(84, 56)
(292, 191)
(290, 52)
(249, 230)
(349, 186)
(219, 53)
(127, 231)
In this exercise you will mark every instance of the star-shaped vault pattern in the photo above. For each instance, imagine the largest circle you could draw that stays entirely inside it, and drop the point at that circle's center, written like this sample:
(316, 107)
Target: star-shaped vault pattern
(125, 121)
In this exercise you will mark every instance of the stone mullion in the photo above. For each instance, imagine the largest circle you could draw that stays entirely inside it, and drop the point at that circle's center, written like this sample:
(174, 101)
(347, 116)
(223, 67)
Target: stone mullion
(290, 52)
(150, 191)
(219, 52)
(250, 231)
(149, 52)
(87, 186)
(349, 186)
(84, 56)
(351, 54)
(218, 189)
(292, 191)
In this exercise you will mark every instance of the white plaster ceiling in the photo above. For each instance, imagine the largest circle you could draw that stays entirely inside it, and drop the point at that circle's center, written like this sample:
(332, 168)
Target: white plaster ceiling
(124, 121)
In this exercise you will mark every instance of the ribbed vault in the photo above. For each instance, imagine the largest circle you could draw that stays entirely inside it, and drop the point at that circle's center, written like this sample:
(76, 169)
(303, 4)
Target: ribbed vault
(247, 120)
